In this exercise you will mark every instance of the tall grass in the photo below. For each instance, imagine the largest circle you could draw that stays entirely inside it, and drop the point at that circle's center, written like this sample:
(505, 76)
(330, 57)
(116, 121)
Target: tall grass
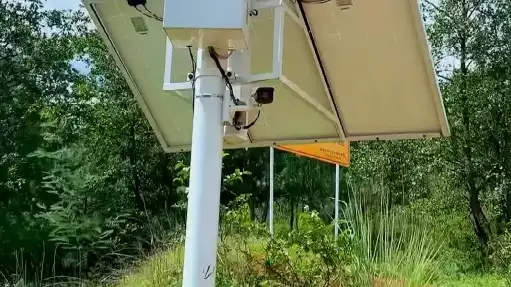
(390, 246)
(161, 269)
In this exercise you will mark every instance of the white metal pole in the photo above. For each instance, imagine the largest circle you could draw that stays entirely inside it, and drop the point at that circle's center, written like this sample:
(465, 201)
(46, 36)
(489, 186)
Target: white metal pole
(205, 176)
(337, 175)
(272, 164)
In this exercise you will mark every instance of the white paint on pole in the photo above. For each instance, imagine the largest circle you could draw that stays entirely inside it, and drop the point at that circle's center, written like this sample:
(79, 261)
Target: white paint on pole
(337, 178)
(205, 176)
(272, 164)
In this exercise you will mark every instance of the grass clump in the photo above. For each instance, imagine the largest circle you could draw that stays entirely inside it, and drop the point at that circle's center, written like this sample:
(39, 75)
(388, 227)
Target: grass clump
(390, 246)
(161, 269)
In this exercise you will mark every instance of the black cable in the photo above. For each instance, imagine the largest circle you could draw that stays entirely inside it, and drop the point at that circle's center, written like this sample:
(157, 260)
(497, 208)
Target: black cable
(237, 115)
(194, 65)
(194, 68)
(154, 15)
(253, 123)
(147, 15)
(214, 56)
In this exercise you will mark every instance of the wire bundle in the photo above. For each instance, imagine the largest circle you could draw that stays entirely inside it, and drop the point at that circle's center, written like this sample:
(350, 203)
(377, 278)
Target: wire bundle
(214, 55)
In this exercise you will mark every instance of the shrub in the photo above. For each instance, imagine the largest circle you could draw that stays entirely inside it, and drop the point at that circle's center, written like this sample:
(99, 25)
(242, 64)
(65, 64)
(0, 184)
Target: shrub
(309, 256)
(305, 257)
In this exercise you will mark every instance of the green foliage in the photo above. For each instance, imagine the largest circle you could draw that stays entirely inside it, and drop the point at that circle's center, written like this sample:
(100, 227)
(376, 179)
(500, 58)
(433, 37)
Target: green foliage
(447, 222)
(309, 256)
(476, 102)
(475, 281)
(236, 219)
(501, 255)
(35, 77)
(247, 257)
(383, 246)
(74, 227)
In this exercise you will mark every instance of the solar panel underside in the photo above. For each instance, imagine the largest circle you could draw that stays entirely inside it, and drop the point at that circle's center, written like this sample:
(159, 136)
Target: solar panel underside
(376, 60)
(374, 56)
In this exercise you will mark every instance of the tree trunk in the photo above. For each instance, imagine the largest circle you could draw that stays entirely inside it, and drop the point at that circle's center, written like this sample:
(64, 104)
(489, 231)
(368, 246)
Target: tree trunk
(252, 207)
(477, 217)
(164, 162)
(264, 216)
(479, 221)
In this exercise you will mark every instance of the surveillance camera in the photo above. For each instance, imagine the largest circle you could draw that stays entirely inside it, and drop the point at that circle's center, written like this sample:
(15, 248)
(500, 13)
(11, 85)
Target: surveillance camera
(264, 95)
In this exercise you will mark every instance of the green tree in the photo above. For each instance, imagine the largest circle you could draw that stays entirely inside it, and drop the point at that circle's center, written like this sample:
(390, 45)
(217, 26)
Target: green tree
(456, 34)
(35, 75)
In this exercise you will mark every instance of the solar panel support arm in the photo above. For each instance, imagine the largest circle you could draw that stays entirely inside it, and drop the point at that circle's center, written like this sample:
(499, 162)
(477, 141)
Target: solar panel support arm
(170, 84)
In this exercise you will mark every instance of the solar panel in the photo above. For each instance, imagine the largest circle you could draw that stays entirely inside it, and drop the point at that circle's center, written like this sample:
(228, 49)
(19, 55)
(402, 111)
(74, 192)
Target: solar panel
(376, 60)
(361, 73)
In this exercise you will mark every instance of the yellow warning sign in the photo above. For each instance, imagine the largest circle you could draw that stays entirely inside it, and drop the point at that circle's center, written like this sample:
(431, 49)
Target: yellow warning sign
(336, 153)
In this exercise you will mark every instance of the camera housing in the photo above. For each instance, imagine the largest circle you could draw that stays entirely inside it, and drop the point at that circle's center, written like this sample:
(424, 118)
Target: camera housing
(264, 95)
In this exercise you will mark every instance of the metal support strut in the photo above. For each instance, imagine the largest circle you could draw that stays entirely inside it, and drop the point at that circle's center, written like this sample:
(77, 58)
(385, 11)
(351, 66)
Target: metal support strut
(205, 175)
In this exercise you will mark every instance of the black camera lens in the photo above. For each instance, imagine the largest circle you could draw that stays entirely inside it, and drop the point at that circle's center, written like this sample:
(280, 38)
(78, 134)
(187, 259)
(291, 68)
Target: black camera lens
(264, 95)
